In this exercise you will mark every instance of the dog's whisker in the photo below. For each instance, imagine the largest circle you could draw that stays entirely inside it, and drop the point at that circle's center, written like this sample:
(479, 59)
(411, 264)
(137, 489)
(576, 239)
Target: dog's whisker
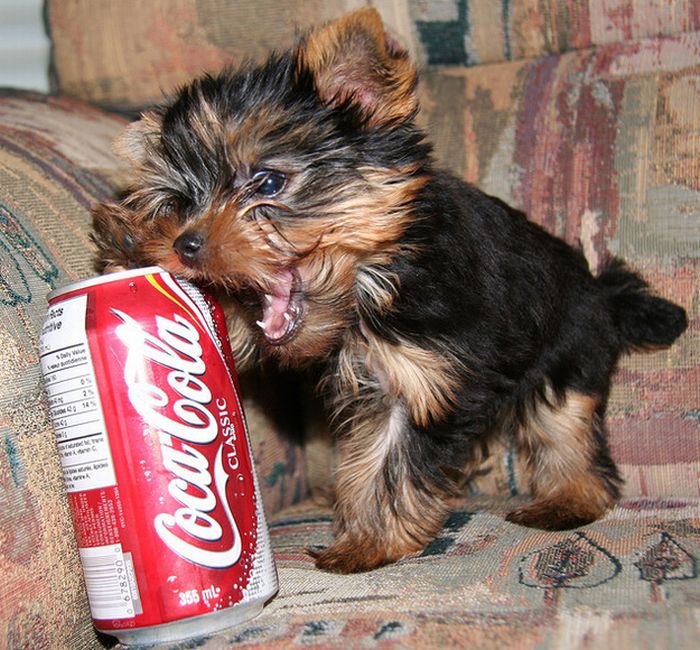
(258, 216)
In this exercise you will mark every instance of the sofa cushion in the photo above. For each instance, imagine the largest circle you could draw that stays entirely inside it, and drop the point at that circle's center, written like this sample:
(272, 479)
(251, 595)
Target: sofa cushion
(134, 51)
(625, 582)
(468, 32)
(601, 147)
(55, 161)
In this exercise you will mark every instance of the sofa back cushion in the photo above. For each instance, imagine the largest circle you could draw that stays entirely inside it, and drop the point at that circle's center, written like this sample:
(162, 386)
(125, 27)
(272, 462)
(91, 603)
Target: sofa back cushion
(128, 54)
(469, 32)
(601, 148)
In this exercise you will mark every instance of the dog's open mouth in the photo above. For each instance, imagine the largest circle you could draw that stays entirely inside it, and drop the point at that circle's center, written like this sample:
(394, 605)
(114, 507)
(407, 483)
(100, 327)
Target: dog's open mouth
(281, 308)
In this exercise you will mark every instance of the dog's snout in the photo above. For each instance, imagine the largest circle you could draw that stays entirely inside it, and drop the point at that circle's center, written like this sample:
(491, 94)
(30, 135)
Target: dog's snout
(189, 246)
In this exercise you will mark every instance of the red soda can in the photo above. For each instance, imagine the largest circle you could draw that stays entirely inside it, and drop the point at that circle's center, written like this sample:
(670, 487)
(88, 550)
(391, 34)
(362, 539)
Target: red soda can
(156, 457)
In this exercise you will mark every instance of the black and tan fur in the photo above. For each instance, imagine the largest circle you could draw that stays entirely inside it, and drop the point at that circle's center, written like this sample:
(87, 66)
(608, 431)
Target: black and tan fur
(303, 193)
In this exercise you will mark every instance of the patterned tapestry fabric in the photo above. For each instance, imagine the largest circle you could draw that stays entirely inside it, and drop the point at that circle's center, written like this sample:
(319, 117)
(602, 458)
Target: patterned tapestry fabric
(468, 32)
(55, 161)
(602, 147)
(134, 51)
(53, 155)
(627, 582)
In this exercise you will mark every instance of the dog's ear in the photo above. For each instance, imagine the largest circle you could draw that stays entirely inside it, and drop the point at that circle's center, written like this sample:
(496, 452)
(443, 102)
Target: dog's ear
(353, 60)
(136, 141)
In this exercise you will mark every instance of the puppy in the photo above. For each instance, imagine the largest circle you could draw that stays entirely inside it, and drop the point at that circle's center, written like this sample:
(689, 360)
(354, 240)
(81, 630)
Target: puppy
(303, 193)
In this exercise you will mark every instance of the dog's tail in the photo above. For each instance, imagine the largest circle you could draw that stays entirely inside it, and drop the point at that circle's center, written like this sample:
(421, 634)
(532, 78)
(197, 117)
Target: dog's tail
(644, 321)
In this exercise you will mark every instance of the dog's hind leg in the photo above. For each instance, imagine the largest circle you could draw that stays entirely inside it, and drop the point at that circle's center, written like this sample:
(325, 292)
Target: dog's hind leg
(573, 479)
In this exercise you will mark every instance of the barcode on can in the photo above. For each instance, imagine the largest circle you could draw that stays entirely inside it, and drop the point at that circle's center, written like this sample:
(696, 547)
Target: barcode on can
(110, 582)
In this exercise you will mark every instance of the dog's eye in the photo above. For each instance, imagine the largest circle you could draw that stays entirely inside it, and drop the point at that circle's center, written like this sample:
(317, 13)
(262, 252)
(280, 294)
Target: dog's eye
(269, 183)
(167, 208)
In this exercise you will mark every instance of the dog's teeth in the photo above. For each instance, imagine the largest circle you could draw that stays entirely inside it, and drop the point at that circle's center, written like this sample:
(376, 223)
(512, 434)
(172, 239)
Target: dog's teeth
(288, 317)
(268, 298)
(260, 324)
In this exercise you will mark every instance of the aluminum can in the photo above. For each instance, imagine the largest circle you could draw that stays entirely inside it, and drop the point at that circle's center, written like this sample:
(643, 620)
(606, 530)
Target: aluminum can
(145, 404)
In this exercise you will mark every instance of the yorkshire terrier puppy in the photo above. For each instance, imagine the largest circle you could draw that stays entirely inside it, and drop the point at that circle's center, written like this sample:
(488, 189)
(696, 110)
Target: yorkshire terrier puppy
(302, 191)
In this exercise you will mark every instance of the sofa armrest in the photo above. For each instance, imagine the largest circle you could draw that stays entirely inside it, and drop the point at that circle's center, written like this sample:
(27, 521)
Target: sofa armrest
(54, 157)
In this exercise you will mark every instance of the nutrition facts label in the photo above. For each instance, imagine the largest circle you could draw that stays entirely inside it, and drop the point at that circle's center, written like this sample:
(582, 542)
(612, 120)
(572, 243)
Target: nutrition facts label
(74, 401)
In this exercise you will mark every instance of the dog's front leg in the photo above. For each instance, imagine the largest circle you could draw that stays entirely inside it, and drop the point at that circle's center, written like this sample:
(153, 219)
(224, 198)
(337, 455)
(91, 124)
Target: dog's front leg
(385, 508)
(391, 494)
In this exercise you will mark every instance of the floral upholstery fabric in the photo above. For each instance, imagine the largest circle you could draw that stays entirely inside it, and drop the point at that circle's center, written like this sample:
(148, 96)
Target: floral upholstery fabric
(48, 178)
(163, 43)
(601, 147)
(598, 141)
(625, 582)
(470, 32)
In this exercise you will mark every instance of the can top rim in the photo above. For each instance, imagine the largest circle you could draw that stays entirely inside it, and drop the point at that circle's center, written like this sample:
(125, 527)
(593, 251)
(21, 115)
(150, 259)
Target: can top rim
(103, 279)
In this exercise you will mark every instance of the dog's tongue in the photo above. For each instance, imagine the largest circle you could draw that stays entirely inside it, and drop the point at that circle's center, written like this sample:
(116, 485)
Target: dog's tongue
(276, 317)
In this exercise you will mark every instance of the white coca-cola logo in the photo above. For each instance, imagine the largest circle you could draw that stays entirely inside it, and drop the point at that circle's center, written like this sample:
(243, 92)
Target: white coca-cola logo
(177, 348)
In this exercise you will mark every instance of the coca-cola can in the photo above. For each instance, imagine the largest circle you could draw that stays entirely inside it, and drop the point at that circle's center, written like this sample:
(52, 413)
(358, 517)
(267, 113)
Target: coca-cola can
(155, 451)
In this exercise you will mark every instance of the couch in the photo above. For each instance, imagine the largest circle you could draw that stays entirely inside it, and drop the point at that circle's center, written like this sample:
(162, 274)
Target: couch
(583, 113)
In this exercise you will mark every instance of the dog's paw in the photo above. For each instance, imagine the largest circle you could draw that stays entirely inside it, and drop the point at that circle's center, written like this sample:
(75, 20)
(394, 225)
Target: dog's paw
(551, 516)
(342, 558)
(348, 556)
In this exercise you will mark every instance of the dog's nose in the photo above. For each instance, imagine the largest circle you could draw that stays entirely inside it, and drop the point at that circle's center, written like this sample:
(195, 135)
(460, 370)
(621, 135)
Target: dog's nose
(189, 246)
